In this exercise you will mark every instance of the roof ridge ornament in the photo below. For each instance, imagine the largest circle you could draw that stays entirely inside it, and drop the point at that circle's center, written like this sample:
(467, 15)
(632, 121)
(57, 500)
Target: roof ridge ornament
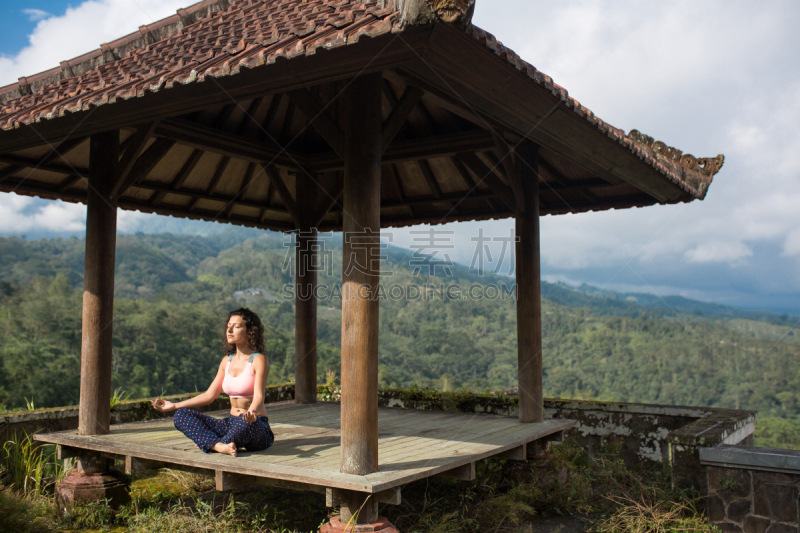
(704, 165)
(458, 12)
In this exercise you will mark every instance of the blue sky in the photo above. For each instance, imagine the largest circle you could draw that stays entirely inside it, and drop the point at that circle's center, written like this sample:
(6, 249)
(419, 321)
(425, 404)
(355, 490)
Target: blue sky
(20, 18)
(710, 77)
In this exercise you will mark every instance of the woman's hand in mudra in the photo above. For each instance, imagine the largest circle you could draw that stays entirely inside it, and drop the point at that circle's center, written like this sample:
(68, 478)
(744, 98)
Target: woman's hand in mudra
(250, 417)
(162, 405)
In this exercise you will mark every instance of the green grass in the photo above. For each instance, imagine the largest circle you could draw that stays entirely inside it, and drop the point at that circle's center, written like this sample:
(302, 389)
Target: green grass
(22, 513)
(563, 482)
(505, 496)
(30, 467)
(119, 396)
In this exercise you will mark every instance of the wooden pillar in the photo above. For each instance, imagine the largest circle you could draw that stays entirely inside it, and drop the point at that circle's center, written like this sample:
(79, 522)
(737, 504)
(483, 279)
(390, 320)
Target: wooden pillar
(529, 296)
(360, 277)
(305, 347)
(94, 415)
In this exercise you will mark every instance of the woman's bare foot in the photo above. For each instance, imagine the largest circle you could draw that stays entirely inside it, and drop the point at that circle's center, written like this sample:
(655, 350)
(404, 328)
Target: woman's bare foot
(230, 449)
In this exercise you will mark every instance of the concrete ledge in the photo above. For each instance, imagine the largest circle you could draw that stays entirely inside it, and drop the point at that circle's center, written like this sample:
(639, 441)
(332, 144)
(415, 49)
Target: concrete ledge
(62, 418)
(750, 458)
(720, 426)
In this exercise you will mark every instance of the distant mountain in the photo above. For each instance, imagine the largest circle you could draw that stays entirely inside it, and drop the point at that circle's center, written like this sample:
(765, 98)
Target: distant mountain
(171, 257)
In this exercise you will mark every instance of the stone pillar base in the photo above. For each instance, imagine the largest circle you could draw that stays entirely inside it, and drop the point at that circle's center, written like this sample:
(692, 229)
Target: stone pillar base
(381, 525)
(79, 488)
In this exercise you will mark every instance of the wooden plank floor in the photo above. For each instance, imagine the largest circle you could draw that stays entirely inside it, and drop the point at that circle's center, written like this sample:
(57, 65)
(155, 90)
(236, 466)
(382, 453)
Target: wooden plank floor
(413, 444)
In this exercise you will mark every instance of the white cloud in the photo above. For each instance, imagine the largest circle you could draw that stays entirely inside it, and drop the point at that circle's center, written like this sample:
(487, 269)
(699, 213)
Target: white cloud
(36, 15)
(719, 252)
(82, 29)
(20, 214)
(791, 247)
(718, 84)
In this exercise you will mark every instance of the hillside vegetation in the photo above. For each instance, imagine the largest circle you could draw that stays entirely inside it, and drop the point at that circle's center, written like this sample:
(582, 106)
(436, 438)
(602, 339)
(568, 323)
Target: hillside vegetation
(173, 293)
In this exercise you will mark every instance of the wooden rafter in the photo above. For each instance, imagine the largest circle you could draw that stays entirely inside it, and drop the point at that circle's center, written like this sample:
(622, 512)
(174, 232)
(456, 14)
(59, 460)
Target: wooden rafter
(288, 118)
(202, 195)
(283, 192)
(246, 180)
(487, 176)
(224, 143)
(269, 118)
(563, 182)
(319, 118)
(224, 115)
(29, 162)
(133, 150)
(329, 200)
(508, 162)
(10, 171)
(400, 113)
(218, 172)
(467, 178)
(143, 166)
(181, 177)
(399, 151)
(248, 116)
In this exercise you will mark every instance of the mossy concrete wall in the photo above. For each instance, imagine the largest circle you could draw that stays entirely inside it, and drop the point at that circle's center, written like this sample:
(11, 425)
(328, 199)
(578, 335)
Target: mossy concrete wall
(646, 433)
(64, 418)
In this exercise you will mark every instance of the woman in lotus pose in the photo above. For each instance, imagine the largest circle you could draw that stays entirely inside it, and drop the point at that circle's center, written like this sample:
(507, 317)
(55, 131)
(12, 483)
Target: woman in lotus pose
(242, 375)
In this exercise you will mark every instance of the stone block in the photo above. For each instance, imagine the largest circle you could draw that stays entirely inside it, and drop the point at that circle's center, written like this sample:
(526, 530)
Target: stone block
(79, 488)
(729, 527)
(729, 483)
(760, 478)
(715, 509)
(755, 524)
(738, 509)
(777, 502)
(781, 528)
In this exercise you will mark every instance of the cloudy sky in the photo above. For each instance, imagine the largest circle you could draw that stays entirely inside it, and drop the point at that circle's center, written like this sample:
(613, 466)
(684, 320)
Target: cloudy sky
(706, 77)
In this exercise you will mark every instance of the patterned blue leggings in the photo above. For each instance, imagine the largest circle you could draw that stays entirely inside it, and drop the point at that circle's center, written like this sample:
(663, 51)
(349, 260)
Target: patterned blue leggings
(206, 431)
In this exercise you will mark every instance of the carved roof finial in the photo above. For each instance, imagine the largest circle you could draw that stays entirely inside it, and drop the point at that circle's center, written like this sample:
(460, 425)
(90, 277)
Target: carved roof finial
(457, 12)
(705, 167)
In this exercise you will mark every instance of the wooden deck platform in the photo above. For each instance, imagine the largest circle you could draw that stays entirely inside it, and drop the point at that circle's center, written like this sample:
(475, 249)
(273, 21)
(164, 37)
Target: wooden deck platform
(413, 444)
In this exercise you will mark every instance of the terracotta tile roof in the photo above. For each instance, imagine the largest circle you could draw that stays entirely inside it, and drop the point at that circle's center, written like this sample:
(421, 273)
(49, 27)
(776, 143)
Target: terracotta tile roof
(220, 37)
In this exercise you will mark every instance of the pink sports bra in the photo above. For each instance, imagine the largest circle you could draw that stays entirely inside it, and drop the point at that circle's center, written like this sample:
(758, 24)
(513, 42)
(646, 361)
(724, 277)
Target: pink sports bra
(242, 385)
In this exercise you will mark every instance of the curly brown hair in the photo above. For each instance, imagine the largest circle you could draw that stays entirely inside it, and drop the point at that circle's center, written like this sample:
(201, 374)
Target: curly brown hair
(255, 331)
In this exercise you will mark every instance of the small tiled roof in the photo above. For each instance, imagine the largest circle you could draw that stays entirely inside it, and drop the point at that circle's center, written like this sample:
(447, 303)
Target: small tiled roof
(220, 37)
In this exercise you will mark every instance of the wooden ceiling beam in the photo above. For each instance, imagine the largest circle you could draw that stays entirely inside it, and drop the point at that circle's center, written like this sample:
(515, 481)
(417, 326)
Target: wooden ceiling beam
(400, 113)
(318, 117)
(248, 117)
(246, 180)
(487, 176)
(215, 178)
(333, 198)
(181, 177)
(133, 149)
(567, 185)
(562, 180)
(143, 166)
(507, 158)
(28, 162)
(202, 195)
(62, 149)
(68, 182)
(9, 171)
(415, 149)
(225, 143)
(283, 191)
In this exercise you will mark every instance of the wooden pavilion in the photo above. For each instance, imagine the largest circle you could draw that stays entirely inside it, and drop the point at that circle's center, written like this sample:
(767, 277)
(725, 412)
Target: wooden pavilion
(330, 115)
